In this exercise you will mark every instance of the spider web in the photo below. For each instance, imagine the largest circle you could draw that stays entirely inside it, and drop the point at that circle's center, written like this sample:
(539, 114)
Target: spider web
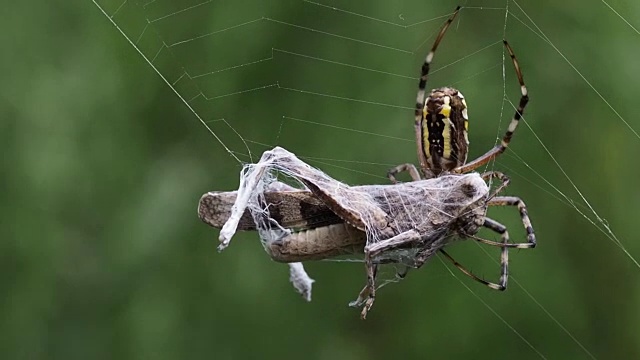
(334, 83)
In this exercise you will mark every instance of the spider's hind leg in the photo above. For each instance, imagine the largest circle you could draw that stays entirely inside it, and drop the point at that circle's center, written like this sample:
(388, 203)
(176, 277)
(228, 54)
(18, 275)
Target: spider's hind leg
(524, 216)
(506, 139)
(504, 270)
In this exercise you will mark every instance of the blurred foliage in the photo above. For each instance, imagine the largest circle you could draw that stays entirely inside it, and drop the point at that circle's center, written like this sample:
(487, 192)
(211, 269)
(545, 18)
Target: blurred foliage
(102, 253)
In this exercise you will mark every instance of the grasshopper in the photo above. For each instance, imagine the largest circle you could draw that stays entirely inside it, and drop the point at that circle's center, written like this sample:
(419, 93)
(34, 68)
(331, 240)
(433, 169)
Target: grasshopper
(403, 223)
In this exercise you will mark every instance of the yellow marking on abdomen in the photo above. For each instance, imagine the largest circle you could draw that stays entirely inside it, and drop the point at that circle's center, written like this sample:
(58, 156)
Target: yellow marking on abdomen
(446, 137)
(465, 115)
(446, 132)
(425, 135)
(446, 107)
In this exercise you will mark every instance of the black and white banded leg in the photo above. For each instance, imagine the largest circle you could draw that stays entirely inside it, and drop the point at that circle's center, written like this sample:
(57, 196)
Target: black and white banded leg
(506, 139)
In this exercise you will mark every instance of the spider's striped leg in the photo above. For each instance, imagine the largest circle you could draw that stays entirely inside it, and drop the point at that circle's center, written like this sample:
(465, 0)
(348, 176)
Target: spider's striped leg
(410, 168)
(504, 269)
(500, 148)
(504, 181)
(504, 259)
(502, 230)
(424, 71)
(524, 215)
(422, 85)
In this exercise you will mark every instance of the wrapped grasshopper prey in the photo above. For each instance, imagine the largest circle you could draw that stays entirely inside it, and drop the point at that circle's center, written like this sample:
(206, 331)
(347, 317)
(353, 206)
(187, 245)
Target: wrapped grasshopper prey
(404, 223)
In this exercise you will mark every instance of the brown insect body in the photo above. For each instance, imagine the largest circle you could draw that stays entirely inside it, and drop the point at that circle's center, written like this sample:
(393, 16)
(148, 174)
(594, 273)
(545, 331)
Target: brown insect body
(318, 233)
(295, 209)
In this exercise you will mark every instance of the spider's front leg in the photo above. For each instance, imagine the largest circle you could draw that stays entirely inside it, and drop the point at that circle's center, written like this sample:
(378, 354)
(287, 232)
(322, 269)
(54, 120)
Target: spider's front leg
(524, 217)
(504, 181)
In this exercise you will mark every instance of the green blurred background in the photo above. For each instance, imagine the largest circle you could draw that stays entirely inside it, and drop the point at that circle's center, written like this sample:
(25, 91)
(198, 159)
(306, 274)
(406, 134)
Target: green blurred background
(103, 255)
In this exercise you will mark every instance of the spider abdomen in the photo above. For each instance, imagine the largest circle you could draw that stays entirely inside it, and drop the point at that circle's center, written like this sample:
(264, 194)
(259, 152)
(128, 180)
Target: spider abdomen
(444, 142)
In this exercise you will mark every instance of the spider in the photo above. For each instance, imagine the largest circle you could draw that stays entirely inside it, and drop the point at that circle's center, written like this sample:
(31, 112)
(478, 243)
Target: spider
(442, 123)
(441, 128)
